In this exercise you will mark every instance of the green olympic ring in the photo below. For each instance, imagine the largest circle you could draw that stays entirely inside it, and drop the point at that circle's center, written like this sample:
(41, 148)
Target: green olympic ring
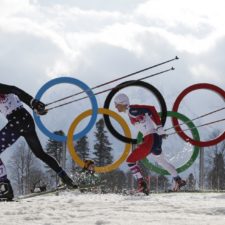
(194, 155)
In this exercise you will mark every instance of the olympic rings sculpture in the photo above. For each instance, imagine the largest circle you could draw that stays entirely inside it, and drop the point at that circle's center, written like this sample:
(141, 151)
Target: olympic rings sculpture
(126, 138)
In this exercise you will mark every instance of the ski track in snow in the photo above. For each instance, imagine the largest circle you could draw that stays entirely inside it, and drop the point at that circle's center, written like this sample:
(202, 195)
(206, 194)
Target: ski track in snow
(100, 209)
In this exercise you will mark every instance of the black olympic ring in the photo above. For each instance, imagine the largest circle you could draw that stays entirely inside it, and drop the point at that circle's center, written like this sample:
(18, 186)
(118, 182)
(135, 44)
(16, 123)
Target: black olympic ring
(148, 86)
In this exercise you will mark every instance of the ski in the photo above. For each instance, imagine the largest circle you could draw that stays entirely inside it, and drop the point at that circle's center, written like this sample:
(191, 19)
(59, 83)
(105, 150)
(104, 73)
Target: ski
(7, 200)
(82, 188)
(133, 193)
(40, 193)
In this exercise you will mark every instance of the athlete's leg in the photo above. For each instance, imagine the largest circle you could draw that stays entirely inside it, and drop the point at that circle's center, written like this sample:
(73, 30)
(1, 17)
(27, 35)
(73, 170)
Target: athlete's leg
(8, 135)
(35, 146)
(140, 153)
(162, 161)
(33, 141)
(159, 157)
(6, 191)
(135, 170)
(142, 150)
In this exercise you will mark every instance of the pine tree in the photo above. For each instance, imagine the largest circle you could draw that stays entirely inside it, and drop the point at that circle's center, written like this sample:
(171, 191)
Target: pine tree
(163, 183)
(102, 146)
(215, 164)
(159, 183)
(82, 149)
(191, 182)
(218, 172)
(56, 150)
(131, 182)
(115, 181)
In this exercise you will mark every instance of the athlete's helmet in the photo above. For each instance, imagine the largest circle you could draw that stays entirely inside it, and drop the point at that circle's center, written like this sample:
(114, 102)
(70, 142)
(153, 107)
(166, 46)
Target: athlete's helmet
(87, 163)
(122, 99)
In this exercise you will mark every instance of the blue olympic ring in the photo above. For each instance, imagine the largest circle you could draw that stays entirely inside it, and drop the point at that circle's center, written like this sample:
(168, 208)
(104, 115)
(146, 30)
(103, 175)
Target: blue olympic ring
(91, 96)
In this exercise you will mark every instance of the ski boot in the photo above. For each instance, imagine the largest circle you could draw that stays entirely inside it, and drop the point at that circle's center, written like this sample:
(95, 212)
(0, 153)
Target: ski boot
(6, 191)
(178, 183)
(67, 180)
(142, 186)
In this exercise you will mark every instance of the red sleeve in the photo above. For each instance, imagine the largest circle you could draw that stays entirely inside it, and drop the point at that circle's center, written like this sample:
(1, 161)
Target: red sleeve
(155, 116)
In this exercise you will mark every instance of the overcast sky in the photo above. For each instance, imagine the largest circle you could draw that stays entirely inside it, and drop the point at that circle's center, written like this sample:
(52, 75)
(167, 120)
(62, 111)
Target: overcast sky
(97, 41)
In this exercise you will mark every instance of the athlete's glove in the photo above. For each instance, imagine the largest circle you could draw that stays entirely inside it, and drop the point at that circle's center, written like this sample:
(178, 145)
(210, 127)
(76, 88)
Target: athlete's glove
(161, 132)
(38, 107)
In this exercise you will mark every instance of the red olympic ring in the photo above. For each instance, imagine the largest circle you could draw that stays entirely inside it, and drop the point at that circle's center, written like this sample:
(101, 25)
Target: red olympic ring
(176, 125)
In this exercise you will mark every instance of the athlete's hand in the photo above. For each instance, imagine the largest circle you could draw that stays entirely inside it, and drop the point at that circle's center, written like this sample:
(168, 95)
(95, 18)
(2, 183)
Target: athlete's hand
(38, 107)
(41, 112)
(164, 136)
(161, 132)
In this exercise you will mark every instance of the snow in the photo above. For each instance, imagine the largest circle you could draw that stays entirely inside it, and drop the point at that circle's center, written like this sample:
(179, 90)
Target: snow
(100, 209)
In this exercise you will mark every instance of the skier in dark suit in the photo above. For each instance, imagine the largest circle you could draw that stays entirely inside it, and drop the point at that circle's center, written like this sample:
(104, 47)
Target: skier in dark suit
(21, 123)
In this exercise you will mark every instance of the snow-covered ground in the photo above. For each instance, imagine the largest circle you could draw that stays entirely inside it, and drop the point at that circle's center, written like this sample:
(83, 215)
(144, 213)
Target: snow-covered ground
(100, 209)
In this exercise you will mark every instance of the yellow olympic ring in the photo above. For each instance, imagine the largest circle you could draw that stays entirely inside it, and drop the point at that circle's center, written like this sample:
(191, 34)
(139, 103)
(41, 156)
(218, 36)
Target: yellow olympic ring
(72, 150)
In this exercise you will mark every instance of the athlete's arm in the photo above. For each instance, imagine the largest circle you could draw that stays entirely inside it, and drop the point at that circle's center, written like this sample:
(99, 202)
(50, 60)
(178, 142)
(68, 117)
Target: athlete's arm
(24, 97)
(155, 116)
(157, 120)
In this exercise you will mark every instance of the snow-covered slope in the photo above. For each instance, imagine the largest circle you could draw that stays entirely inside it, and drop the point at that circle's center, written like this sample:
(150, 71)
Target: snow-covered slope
(100, 209)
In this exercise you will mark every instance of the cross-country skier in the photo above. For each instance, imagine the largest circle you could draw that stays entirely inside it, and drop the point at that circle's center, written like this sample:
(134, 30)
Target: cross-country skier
(21, 123)
(6, 191)
(87, 177)
(146, 119)
(89, 166)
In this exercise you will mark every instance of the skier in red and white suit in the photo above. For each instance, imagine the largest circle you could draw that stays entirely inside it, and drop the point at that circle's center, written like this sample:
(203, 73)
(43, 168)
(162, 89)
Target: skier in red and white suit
(146, 119)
